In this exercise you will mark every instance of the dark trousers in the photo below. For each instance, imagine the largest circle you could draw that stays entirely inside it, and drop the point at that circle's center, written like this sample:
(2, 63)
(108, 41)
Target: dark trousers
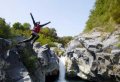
(32, 38)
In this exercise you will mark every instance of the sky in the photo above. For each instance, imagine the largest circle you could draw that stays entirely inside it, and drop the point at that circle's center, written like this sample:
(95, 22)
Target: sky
(68, 17)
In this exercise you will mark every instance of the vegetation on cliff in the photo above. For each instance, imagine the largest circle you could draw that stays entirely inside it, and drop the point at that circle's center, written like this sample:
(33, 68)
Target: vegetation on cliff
(104, 16)
(17, 29)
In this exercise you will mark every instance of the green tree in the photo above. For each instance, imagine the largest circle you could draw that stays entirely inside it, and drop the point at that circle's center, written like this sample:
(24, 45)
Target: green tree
(64, 40)
(26, 26)
(4, 29)
(21, 30)
(48, 36)
(18, 26)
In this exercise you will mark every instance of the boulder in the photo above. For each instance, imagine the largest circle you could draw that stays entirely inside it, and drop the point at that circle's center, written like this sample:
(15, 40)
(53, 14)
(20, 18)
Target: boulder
(48, 59)
(25, 62)
(96, 59)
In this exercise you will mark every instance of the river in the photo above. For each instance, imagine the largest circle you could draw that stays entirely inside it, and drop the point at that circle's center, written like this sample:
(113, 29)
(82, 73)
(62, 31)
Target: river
(62, 72)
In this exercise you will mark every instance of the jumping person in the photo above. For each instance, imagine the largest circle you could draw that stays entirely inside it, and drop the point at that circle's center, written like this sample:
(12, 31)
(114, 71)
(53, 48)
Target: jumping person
(35, 31)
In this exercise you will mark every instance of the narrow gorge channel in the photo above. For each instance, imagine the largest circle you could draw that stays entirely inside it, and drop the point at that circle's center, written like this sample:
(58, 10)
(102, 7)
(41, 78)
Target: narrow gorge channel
(62, 72)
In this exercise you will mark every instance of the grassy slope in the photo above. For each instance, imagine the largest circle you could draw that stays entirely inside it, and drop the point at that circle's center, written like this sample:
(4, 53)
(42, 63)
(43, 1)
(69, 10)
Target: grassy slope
(104, 16)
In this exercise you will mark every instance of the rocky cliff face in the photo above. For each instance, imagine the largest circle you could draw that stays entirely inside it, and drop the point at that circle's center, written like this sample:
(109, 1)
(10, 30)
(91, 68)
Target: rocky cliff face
(94, 56)
(26, 62)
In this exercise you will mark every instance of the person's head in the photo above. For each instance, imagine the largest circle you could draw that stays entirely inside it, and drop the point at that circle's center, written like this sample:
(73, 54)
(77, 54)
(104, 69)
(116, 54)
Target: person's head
(37, 23)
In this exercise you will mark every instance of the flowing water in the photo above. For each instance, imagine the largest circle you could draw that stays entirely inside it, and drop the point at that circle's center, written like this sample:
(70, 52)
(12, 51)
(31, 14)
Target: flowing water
(62, 72)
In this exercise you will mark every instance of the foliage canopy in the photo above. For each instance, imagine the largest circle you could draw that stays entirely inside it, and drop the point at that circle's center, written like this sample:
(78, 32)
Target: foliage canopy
(105, 15)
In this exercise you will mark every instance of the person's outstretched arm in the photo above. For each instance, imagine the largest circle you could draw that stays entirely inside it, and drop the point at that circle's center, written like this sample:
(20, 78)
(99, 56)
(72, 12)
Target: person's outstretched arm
(33, 19)
(45, 24)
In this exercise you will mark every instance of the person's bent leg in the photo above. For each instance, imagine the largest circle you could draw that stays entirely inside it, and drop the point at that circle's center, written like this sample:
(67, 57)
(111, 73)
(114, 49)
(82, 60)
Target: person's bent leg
(29, 39)
(37, 36)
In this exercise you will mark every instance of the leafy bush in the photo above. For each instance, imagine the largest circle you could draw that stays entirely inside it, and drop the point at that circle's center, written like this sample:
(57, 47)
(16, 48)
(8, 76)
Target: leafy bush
(28, 59)
(118, 45)
(58, 51)
(17, 32)
(4, 29)
(64, 40)
(48, 36)
(21, 30)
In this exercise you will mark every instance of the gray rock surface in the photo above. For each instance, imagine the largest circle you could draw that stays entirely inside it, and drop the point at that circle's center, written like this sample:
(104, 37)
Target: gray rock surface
(25, 62)
(94, 56)
(4, 46)
(48, 58)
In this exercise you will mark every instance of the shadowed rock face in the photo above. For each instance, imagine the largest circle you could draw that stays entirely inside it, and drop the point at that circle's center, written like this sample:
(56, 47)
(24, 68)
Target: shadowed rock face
(95, 57)
(26, 62)
(4, 46)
